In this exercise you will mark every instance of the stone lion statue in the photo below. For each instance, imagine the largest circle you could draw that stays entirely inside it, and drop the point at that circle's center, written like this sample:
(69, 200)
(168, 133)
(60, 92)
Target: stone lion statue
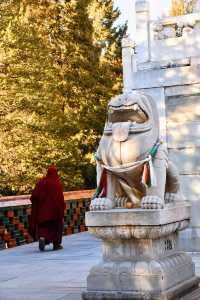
(132, 163)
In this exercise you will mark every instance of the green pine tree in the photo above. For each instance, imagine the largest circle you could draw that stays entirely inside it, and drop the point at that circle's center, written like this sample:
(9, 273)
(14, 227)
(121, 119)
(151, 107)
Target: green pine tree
(107, 38)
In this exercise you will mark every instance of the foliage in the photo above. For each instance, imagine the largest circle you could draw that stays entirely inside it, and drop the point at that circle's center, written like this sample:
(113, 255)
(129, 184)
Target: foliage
(59, 65)
(181, 7)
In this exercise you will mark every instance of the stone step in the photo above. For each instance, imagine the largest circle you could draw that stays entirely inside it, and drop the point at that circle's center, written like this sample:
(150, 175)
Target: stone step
(194, 295)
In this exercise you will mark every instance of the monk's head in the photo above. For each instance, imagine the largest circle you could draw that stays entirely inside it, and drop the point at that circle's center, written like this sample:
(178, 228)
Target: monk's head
(52, 171)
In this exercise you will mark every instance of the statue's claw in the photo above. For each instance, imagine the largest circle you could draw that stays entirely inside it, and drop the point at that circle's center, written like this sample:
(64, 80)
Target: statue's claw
(102, 204)
(152, 202)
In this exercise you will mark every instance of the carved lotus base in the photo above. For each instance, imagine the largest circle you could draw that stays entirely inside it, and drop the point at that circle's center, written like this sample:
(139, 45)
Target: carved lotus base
(187, 290)
(140, 258)
(146, 278)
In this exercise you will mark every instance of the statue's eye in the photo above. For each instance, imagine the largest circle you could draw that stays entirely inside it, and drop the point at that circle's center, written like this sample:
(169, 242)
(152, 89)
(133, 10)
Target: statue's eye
(111, 111)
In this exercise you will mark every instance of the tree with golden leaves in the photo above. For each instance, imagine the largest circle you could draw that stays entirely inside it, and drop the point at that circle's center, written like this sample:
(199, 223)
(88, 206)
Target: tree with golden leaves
(58, 69)
(181, 7)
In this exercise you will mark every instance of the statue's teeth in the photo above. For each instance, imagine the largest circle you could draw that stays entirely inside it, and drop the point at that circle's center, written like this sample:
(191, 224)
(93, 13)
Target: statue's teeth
(135, 107)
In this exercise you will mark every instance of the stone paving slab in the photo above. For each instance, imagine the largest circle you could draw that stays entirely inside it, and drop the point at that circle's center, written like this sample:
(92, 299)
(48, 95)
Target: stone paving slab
(27, 274)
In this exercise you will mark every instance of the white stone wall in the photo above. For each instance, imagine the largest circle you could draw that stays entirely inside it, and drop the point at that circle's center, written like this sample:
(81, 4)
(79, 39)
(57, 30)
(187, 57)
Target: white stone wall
(183, 138)
(167, 66)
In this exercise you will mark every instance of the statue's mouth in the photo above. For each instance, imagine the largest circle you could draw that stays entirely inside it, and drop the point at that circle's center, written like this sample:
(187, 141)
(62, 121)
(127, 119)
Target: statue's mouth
(129, 118)
(133, 113)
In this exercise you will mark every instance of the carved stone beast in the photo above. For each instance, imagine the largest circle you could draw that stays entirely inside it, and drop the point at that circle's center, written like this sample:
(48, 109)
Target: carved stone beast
(132, 164)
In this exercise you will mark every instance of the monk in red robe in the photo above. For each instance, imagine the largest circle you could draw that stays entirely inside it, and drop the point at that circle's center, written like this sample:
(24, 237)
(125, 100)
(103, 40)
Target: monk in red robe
(46, 223)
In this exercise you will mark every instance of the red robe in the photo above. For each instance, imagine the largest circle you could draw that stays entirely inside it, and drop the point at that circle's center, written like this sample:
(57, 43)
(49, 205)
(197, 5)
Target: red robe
(48, 208)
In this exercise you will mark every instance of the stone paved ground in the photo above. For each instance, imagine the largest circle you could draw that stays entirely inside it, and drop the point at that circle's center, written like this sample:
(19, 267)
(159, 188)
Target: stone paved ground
(27, 274)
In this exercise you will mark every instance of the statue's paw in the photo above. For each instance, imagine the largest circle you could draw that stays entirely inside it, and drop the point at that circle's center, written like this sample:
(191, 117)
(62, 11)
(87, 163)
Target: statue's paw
(101, 204)
(152, 202)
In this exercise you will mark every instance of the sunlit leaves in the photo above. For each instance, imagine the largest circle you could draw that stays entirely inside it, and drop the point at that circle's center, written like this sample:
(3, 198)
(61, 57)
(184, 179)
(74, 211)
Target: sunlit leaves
(55, 84)
(181, 7)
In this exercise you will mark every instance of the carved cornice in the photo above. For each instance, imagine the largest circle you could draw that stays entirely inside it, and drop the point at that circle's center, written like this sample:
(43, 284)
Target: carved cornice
(137, 232)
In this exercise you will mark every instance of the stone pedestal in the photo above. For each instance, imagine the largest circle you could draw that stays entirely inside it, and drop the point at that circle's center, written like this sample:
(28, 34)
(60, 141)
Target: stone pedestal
(140, 260)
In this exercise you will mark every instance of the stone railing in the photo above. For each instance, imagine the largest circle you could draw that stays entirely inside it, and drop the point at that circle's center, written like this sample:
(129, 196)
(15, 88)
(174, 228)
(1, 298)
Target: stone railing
(15, 212)
(173, 27)
(168, 42)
